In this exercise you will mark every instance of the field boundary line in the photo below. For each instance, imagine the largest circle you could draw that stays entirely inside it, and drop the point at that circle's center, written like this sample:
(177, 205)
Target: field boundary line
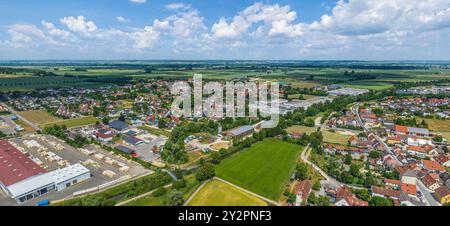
(250, 192)
(195, 193)
(141, 196)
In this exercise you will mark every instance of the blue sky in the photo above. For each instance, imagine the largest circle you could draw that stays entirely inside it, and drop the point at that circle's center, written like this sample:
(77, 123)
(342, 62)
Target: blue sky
(225, 29)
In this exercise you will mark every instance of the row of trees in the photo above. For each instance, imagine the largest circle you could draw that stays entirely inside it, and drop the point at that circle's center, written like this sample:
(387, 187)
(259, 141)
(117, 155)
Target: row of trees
(60, 131)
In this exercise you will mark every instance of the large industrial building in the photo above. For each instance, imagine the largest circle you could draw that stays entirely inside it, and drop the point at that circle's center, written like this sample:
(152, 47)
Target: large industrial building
(240, 131)
(348, 91)
(23, 179)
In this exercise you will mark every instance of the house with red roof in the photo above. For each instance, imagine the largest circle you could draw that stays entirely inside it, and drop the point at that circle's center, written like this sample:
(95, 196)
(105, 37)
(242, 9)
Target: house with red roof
(409, 189)
(430, 182)
(432, 166)
(345, 197)
(443, 160)
(302, 190)
(406, 130)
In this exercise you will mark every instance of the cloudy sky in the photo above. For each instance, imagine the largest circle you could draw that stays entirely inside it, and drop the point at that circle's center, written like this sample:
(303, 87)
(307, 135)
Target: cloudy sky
(225, 29)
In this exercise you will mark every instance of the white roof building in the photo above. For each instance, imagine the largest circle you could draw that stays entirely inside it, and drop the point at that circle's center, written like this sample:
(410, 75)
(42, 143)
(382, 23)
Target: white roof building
(40, 184)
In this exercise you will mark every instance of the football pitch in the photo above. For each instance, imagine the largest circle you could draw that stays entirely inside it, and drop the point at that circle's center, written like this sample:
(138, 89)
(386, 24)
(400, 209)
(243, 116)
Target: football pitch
(264, 168)
(218, 193)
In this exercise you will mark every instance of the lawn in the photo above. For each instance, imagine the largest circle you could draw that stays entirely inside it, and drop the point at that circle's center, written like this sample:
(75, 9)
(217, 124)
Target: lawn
(191, 185)
(264, 168)
(155, 131)
(335, 137)
(437, 124)
(218, 193)
(305, 96)
(301, 129)
(38, 116)
(27, 128)
(123, 191)
(445, 135)
(76, 122)
(328, 136)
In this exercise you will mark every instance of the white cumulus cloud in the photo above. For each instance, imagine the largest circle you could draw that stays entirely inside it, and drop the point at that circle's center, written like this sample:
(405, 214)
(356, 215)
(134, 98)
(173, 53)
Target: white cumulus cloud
(122, 19)
(138, 1)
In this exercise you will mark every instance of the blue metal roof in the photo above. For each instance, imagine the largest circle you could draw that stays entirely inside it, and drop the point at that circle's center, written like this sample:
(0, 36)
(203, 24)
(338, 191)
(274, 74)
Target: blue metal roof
(132, 140)
(241, 130)
(119, 125)
(125, 149)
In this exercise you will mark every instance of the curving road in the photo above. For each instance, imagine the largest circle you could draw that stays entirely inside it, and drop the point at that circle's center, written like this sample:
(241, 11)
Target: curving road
(304, 157)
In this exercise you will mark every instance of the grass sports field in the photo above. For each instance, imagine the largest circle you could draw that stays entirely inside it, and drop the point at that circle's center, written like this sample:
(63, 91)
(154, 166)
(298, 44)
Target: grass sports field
(218, 193)
(264, 168)
(76, 122)
(38, 116)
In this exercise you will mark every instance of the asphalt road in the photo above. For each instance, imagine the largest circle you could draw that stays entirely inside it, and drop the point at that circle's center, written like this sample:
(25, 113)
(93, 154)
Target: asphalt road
(35, 126)
(386, 147)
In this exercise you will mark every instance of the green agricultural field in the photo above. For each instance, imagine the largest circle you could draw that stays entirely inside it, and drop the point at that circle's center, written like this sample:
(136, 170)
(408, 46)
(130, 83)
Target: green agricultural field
(368, 85)
(218, 193)
(76, 122)
(264, 168)
(29, 82)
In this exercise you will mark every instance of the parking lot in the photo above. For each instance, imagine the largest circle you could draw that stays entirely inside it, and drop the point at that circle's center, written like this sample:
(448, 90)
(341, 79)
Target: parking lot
(52, 153)
(7, 125)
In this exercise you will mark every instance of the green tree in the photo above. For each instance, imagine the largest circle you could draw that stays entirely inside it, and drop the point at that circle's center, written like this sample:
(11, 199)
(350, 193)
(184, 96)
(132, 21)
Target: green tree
(302, 171)
(374, 154)
(175, 198)
(355, 170)
(348, 159)
(159, 192)
(215, 157)
(323, 200)
(105, 120)
(180, 183)
(316, 186)
(312, 199)
(207, 171)
(362, 194)
(379, 201)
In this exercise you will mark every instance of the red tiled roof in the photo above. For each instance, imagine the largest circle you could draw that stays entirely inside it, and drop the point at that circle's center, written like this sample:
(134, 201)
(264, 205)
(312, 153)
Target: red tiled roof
(303, 188)
(345, 193)
(15, 166)
(442, 159)
(399, 128)
(390, 181)
(394, 138)
(428, 180)
(409, 189)
(416, 149)
(102, 135)
(432, 165)
(385, 192)
(441, 192)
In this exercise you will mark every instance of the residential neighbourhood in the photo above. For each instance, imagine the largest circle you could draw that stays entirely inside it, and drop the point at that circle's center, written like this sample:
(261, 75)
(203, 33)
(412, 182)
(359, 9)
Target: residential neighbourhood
(293, 104)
